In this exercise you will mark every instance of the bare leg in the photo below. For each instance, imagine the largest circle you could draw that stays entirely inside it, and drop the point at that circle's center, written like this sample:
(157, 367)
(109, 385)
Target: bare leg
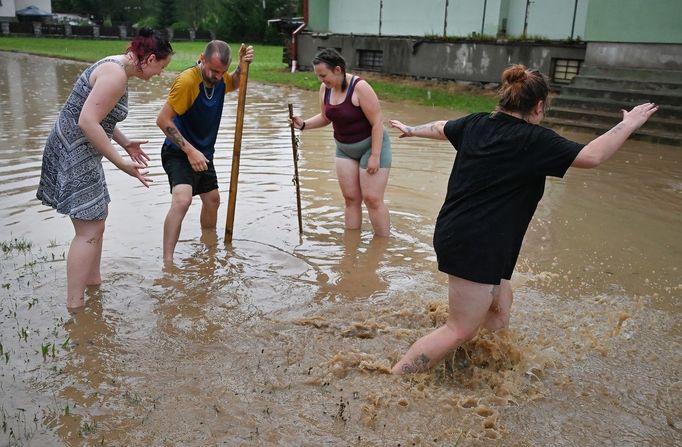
(468, 305)
(351, 241)
(85, 250)
(373, 187)
(500, 309)
(347, 172)
(180, 202)
(95, 276)
(209, 238)
(210, 201)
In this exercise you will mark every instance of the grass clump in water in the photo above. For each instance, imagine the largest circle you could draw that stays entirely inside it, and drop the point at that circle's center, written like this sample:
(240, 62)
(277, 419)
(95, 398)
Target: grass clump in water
(20, 245)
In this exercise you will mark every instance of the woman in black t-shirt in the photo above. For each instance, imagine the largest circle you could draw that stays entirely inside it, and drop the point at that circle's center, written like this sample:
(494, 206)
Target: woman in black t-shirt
(497, 180)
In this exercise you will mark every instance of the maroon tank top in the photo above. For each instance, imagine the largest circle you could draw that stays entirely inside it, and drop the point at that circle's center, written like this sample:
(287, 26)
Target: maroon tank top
(350, 124)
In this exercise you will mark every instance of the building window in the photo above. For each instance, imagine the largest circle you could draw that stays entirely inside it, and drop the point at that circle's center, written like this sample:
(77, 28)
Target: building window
(564, 70)
(370, 59)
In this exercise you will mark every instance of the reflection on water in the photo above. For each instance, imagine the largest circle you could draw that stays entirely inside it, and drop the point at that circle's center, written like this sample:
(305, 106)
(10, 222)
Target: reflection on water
(286, 340)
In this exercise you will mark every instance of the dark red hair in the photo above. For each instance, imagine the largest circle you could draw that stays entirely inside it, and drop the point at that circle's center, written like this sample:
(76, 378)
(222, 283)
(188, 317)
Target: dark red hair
(149, 42)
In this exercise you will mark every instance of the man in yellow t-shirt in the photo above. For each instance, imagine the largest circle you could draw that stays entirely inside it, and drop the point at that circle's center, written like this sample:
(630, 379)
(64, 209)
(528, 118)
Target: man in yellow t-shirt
(190, 119)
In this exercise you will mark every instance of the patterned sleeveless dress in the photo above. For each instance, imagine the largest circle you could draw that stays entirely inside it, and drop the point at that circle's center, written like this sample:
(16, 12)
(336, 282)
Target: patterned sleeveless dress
(72, 178)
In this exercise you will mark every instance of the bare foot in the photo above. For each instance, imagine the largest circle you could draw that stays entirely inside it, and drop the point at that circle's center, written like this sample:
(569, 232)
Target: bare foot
(75, 303)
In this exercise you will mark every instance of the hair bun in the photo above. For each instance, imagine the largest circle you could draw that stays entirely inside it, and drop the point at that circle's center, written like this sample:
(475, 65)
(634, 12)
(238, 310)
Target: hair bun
(515, 73)
(146, 32)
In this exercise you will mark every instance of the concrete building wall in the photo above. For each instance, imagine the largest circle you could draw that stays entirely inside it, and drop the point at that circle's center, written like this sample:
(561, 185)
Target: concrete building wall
(493, 17)
(318, 16)
(620, 33)
(542, 18)
(550, 19)
(412, 18)
(7, 10)
(514, 14)
(635, 34)
(463, 61)
(354, 16)
(465, 17)
(635, 21)
(633, 55)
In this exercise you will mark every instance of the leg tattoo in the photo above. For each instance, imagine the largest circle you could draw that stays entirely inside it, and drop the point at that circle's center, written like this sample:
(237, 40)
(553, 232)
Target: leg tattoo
(419, 364)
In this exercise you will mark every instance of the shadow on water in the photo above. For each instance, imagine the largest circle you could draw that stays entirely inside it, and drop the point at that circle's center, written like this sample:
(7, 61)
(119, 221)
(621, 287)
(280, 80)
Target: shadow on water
(279, 339)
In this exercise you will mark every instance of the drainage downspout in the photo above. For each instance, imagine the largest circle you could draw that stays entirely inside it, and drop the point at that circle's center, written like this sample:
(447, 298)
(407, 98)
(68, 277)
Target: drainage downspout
(294, 41)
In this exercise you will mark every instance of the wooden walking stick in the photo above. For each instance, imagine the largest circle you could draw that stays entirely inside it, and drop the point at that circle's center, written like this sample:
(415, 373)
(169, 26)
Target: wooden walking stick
(236, 150)
(294, 147)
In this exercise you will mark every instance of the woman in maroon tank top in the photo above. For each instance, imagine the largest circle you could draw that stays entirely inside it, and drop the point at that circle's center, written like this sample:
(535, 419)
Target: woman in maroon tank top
(363, 149)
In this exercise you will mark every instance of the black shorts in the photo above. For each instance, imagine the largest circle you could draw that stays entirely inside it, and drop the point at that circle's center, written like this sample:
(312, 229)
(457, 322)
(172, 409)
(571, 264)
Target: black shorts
(180, 172)
(476, 259)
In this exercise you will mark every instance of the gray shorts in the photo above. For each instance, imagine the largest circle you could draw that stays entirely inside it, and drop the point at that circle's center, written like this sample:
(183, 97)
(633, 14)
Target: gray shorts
(361, 151)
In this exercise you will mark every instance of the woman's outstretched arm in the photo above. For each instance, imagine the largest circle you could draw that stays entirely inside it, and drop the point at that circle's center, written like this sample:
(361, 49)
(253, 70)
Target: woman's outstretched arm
(433, 130)
(603, 147)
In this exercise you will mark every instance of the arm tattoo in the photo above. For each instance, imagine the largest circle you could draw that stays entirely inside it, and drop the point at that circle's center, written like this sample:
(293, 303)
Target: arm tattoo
(616, 129)
(175, 136)
(431, 128)
(419, 364)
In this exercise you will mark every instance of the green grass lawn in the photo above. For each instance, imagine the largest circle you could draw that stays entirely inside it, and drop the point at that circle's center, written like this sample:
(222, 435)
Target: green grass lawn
(266, 67)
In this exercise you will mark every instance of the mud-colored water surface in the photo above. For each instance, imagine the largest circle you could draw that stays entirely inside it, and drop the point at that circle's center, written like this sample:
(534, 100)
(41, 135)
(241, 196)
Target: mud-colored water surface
(281, 339)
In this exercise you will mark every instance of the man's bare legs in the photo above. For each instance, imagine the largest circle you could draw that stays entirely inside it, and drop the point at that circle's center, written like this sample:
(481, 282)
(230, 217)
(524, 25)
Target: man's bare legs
(210, 202)
(180, 202)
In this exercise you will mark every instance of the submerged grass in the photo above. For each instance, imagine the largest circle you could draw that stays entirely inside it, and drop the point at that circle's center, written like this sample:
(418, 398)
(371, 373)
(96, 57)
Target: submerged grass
(268, 68)
(20, 245)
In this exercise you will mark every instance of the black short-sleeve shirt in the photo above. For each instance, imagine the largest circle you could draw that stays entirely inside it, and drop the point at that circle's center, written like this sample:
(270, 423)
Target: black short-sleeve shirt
(497, 180)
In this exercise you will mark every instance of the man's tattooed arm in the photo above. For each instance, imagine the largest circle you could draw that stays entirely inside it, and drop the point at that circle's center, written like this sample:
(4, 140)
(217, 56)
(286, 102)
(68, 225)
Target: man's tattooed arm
(175, 136)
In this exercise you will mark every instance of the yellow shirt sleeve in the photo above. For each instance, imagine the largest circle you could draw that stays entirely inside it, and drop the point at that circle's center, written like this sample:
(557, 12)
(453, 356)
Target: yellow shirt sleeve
(184, 90)
(229, 85)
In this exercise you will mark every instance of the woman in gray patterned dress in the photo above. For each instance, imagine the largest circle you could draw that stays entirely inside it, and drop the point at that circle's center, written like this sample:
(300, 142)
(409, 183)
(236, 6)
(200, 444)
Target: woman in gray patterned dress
(72, 178)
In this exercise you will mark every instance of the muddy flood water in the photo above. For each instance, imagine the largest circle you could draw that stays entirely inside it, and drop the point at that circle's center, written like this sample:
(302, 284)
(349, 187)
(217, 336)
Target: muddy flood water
(286, 340)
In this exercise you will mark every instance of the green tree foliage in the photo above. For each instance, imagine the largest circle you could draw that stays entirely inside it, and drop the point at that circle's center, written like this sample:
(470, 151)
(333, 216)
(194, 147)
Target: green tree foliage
(231, 20)
(247, 20)
(195, 12)
(105, 12)
(167, 13)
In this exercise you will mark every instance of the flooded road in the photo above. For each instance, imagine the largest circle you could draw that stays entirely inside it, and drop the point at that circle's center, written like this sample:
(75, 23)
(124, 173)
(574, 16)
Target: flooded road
(281, 339)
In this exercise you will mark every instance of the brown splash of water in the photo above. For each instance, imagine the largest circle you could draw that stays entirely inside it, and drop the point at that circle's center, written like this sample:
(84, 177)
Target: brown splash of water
(365, 329)
(316, 321)
(341, 364)
(501, 361)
